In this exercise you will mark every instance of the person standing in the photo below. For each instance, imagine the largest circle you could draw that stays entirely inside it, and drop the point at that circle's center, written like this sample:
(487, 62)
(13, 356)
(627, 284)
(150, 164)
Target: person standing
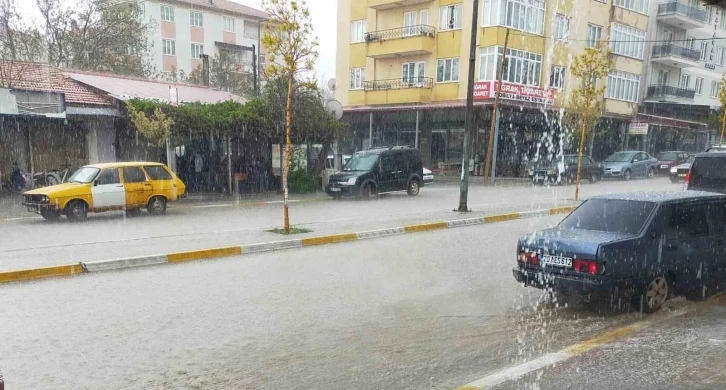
(198, 170)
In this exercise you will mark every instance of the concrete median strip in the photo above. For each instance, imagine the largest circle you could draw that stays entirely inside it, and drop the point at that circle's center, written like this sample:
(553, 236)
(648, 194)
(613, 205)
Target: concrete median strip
(212, 253)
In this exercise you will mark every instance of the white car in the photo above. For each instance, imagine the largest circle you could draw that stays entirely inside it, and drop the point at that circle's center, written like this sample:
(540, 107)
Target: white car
(428, 176)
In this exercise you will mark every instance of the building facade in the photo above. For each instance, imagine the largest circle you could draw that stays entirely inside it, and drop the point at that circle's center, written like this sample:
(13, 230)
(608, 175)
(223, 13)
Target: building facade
(186, 29)
(402, 70)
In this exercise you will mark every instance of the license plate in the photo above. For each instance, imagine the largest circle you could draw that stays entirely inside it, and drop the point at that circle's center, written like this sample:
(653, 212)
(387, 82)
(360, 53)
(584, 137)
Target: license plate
(681, 175)
(664, 166)
(557, 261)
(335, 189)
(33, 209)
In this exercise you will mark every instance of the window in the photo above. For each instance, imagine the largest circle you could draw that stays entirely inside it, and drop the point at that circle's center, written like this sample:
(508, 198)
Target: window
(685, 222)
(357, 78)
(229, 25)
(521, 67)
(524, 15)
(134, 175)
(594, 35)
(685, 80)
(358, 30)
(699, 85)
(627, 41)
(262, 61)
(562, 27)
(690, 42)
(413, 72)
(717, 212)
(168, 47)
(450, 17)
(196, 19)
(157, 172)
(708, 173)
(424, 17)
(709, 14)
(197, 50)
(167, 13)
(714, 88)
(722, 22)
(610, 215)
(623, 86)
(108, 176)
(720, 54)
(704, 50)
(447, 70)
(557, 77)
(633, 5)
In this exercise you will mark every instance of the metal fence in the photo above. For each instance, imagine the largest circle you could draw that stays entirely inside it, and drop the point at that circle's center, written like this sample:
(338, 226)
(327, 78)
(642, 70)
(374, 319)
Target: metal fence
(669, 49)
(401, 32)
(683, 9)
(413, 82)
(669, 90)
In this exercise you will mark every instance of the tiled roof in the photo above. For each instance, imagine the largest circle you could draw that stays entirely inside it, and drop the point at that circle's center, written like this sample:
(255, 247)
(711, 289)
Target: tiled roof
(124, 88)
(226, 6)
(35, 76)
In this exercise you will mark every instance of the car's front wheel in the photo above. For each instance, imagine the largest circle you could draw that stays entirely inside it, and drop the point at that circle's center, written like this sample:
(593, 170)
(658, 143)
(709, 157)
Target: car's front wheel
(674, 180)
(77, 211)
(367, 191)
(654, 294)
(627, 175)
(414, 187)
(156, 206)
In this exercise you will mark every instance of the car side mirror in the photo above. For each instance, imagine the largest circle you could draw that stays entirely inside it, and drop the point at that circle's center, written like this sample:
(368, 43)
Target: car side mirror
(95, 183)
(653, 234)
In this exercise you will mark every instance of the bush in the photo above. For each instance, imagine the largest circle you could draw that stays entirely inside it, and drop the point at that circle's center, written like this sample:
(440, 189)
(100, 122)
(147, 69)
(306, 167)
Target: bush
(300, 181)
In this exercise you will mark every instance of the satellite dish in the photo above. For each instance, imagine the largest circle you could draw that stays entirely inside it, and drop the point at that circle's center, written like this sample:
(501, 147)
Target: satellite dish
(335, 108)
(331, 85)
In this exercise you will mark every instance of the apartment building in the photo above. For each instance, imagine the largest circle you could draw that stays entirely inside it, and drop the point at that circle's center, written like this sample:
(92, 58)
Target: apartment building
(186, 29)
(402, 68)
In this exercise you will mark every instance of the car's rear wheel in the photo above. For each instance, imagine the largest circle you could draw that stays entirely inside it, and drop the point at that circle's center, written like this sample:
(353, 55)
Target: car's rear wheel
(627, 175)
(594, 178)
(157, 205)
(77, 211)
(651, 173)
(50, 215)
(674, 180)
(414, 187)
(654, 294)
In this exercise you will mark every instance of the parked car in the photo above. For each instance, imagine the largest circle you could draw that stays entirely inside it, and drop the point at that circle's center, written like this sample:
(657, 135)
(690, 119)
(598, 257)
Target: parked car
(642, 245)
(707, 173)
(679, 172)
(428, 176)
(379, 170)
(668, 160)
(563, 170)
(629, 164)
(128, 186)
(716, 148)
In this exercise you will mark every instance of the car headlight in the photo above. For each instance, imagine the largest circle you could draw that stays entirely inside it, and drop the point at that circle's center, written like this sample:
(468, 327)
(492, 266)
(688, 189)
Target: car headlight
(45, 199)
(352, 181)
(674, 170)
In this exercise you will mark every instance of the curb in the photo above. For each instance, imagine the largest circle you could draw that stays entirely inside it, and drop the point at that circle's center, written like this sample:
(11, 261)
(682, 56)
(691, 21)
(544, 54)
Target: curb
(212, 253)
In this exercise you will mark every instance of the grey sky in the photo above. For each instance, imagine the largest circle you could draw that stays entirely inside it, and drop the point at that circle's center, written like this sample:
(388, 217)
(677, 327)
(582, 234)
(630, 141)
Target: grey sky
(324, 16)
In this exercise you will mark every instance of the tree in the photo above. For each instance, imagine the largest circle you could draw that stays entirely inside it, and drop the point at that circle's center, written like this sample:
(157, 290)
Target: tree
(155, 127)
(722, 99)
(292, 48)
(586, 102)
(97, 37)
(17, 40)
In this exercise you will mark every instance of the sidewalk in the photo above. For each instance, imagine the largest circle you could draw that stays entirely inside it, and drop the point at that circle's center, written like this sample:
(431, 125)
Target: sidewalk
(479, 180)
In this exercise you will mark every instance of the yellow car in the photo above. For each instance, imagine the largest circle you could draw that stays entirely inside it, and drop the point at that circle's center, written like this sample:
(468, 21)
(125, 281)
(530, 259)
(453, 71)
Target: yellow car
(128, 186)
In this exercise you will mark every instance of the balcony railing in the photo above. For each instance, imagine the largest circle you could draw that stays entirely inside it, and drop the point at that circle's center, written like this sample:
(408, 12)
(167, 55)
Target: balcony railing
(669, 49)
(384, 85)
(678, 7)
(401, 32)
(662, 90)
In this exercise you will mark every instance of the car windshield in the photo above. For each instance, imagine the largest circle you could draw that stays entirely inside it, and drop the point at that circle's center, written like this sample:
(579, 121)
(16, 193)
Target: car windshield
(708, 172)
(609, 215)
(620, 157)
(84, 175)
(668, 156)
(361, 162)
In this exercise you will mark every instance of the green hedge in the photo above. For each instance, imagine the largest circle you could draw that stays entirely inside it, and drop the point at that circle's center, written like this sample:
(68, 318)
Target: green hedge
(300, 181)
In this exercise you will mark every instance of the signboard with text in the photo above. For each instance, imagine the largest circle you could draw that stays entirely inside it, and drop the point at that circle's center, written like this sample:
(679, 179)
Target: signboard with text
(524, 93)
(638, 128)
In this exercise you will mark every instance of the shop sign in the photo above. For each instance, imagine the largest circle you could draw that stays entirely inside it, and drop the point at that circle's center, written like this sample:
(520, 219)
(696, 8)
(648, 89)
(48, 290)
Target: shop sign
(523, 93)
(638, 128)
(710, 66)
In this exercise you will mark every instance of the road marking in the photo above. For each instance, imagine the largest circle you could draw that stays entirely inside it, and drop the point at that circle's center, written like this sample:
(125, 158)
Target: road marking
(19, 219)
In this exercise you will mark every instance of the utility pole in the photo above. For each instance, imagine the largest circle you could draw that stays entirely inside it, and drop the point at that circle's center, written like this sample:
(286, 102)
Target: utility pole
(491, 157)
(205, 70)
(469, 121)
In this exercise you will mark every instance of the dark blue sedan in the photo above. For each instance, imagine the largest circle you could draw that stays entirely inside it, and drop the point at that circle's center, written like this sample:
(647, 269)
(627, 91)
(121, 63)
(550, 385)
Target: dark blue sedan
(642, 245)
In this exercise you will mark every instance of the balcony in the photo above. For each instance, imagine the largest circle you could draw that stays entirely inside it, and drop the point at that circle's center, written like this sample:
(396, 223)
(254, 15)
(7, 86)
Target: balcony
(665, 93)
(675, 56)
(401, 42)
(397, 91)
(386, 4)
(681, 15)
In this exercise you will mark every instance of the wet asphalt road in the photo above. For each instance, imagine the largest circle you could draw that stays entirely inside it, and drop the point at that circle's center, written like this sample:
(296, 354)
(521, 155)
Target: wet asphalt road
(425, 311)
(32, 242)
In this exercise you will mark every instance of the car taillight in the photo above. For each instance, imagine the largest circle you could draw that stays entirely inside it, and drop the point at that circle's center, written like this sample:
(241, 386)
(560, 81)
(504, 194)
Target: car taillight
(528, 257)
(688, 179)
(589, 266)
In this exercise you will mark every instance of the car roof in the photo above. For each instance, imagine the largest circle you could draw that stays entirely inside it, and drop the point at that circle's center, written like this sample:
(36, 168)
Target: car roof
(673, 151)
(661, 196)
(122, 164)
(718, 153)
(379, 150)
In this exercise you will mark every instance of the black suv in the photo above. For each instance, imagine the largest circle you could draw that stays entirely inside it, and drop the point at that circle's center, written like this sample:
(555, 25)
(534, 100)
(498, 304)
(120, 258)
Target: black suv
(379, 170)
(708, 172)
